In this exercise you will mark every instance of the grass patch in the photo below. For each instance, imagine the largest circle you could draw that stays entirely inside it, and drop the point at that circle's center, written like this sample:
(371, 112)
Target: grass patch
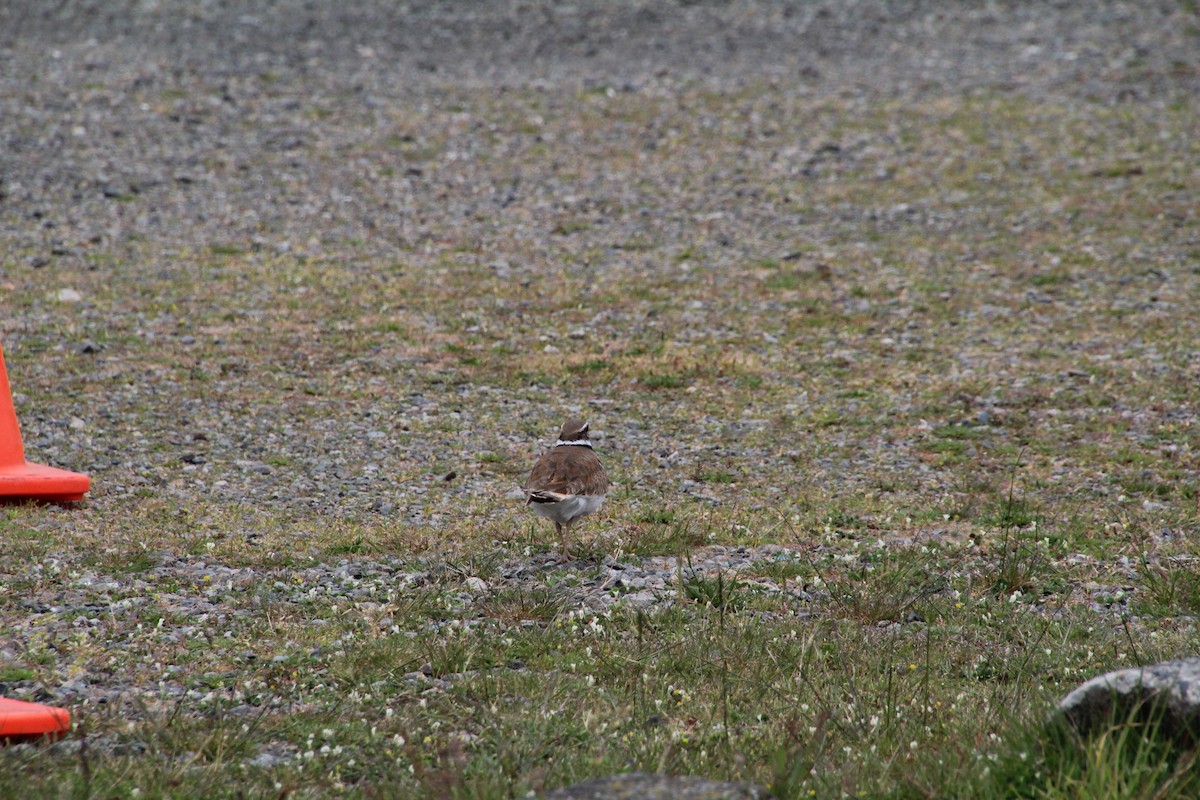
(1010, 513)
(1170, 587)
(591, 365)
(720, 592)
(782, 570)
(1019, 564)
(1134, 757)
(11, 673)
(887, 587)
(716, 476)
(677, 535)
(658, 516)
(568, 227)
(665, 380)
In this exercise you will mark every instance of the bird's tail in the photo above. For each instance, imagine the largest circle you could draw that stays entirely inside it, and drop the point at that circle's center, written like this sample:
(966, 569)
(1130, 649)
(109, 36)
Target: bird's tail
(545, 497)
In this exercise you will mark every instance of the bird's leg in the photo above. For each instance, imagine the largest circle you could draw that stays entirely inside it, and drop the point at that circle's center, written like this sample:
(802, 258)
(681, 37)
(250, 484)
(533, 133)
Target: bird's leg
(562, 537)
(563, 532)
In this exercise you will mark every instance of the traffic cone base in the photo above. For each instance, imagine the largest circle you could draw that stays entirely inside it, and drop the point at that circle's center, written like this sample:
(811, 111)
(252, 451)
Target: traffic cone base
(38, 482)
(20, 480)
(19, 719)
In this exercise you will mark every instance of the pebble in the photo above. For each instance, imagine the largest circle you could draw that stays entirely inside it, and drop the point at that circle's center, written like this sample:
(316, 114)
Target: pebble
(268, 760)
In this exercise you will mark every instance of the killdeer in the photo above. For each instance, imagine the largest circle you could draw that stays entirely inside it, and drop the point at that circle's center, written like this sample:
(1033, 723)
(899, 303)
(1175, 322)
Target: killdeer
(567, 482)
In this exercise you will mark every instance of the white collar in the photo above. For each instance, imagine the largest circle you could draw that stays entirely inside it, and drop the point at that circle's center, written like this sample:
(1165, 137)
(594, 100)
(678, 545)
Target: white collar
(581, 442)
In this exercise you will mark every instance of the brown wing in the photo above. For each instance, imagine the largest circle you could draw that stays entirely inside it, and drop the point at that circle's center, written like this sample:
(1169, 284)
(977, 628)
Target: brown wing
(568, 470)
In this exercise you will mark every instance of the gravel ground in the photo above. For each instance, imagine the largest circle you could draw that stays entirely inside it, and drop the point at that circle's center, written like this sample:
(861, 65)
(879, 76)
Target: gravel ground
(1104, 50)
(166, 101)
(228, 124)
(141, 133)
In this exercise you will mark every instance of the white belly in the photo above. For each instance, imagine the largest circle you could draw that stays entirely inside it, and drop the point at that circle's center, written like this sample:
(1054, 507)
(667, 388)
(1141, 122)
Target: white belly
(569, 510)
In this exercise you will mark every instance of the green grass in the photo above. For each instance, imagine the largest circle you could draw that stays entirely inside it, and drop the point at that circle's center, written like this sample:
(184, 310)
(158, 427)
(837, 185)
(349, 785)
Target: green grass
(14, 673)
(716, 476)
(1169, 586)
(664, 380)
(1128, 758)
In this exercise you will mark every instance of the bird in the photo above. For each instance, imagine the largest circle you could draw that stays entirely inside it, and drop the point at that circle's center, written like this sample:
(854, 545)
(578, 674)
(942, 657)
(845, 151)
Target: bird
(567, 482)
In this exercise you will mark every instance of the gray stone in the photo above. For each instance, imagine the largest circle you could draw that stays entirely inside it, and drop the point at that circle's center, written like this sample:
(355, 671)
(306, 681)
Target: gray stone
(1171, 689)
(645, 786)
(267, 760)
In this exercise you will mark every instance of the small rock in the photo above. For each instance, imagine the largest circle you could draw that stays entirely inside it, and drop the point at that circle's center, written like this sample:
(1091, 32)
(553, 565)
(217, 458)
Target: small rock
(642, 598)
(69, 296)
(645, 786)
(266, 761)
(1171, 688)
(117, 191)
(476, 585)
(67, 747)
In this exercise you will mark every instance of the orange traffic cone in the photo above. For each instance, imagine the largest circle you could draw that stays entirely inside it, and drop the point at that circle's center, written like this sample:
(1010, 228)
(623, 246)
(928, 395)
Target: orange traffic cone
(20, 480)
(21, 720)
